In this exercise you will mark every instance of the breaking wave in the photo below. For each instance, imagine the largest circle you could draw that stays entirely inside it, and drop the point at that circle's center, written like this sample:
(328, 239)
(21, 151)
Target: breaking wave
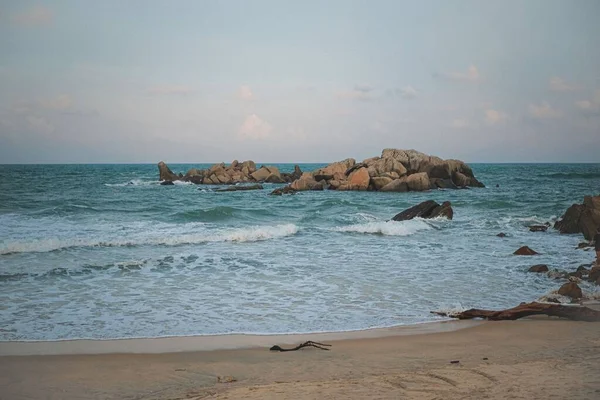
(250, 234)
(386, 228)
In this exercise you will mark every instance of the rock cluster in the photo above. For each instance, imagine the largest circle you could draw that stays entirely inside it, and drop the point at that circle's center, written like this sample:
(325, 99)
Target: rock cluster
(581, 218)
(394, 171)
(236, 172)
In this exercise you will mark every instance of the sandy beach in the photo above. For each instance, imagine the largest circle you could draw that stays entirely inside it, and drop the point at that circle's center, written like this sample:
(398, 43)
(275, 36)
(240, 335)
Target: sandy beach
(537, 358)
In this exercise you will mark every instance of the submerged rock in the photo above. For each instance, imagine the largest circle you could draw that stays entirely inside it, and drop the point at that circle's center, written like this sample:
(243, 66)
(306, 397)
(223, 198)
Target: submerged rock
(283, 190)
(501, 235)
(237, 188)
(538, 228)
(427, 209)
(166, 183)
(525, 251)
(538, 268)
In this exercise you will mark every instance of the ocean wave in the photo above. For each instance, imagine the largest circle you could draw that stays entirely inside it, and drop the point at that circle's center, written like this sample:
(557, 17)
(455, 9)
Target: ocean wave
(250, 234)
(386, 228)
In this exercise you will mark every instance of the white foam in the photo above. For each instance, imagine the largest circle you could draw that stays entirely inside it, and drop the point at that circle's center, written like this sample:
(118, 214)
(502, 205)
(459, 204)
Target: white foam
(250, 234)
(387, 228)
(133, 182)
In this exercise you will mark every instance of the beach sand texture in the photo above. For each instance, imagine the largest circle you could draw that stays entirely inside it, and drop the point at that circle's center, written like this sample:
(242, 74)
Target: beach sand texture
(537, 358)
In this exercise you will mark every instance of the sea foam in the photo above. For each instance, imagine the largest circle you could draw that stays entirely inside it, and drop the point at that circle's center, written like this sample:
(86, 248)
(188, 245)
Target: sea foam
(387, 228)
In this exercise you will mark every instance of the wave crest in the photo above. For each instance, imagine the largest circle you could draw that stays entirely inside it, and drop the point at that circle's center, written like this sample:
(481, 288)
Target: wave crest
(249, 234)
(386, 228)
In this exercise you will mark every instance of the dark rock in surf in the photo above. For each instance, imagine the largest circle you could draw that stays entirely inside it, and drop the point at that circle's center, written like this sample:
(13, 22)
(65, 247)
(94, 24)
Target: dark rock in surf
(571, 289)
(427, 209)
(238, 188)
(538, 228)
(165, 174)
(167, 183)
(501, 235)
(581, 218)
(283, 190)
(538, 268)
(525, 251)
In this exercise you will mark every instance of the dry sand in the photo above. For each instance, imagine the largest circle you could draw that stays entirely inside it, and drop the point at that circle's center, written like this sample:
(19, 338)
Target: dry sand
(538, 358)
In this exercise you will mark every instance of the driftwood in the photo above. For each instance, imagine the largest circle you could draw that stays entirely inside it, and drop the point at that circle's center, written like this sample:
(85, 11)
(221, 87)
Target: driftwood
(575, 313)
(310, 343)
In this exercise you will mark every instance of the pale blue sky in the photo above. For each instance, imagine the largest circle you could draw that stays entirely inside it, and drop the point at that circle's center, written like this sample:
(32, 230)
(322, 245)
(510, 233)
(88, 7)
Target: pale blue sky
(302, 81)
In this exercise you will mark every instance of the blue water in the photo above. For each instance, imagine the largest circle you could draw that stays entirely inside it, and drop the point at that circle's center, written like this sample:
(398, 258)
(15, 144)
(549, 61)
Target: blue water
(104, 251)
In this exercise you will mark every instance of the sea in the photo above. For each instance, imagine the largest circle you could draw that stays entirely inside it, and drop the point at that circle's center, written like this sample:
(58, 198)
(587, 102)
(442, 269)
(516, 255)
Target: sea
(105, 251)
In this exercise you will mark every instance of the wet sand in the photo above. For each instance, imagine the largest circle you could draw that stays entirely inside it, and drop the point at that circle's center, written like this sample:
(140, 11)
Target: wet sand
(538, 358)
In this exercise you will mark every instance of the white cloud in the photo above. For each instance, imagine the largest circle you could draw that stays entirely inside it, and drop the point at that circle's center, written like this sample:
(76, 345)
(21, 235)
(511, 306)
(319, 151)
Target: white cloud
(169, 90)
(460, 123)
(39, 124)
(34, 16)
(493, 117)
(245, 93)
(590, 107)
(59, 103)
(355, 95)
(544, 111)
(471, 75)
(559, 85)
(408, 93)
(255, 128)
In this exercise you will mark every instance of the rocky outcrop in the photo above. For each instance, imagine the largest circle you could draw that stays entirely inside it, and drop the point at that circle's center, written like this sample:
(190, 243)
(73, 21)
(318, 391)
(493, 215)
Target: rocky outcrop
(581, 218)
(236, 172)
(395, 171)
(165, 174)
(427, 209)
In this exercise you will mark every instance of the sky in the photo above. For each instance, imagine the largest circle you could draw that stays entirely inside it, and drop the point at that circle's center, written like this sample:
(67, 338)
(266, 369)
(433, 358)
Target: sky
(298, 81)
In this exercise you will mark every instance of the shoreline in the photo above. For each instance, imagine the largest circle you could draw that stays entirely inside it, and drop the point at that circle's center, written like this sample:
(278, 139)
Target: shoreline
(533, 358)
(232, 341)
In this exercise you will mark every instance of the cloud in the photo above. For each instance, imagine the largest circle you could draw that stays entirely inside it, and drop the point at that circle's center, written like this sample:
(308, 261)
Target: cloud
(168, 90)
(471, 75)
(559, 85)
(39, 124)
(60, 103)
(407, 92)
(34, 16)
(364, 88)
(544, 111)
(493, 117)
(255, 128)
(245, 93)
(460, 123)
(590, 107)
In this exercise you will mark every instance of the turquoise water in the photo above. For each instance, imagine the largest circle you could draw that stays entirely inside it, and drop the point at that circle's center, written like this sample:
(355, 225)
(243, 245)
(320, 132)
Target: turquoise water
(104, 251)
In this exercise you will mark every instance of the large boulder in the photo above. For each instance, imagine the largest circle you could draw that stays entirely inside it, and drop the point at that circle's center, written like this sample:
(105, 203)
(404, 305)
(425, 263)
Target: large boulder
(571, 289)
(261, 174)
(581, 218)
(165, 173)
(379, 182)
(397, 185)
(418, 182)
(307, 182)
(426, 209)
(357, 180)
(340, 166)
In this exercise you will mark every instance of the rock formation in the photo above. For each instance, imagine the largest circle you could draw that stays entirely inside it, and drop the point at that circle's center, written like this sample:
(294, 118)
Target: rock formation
(525, 251)
(394, 171)
(539, 268)
(581, 218)
(236, 172)
(427, 209)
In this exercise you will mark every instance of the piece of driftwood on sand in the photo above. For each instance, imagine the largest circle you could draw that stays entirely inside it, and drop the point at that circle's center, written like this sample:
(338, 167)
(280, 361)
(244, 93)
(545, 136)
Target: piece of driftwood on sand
(572, 312)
